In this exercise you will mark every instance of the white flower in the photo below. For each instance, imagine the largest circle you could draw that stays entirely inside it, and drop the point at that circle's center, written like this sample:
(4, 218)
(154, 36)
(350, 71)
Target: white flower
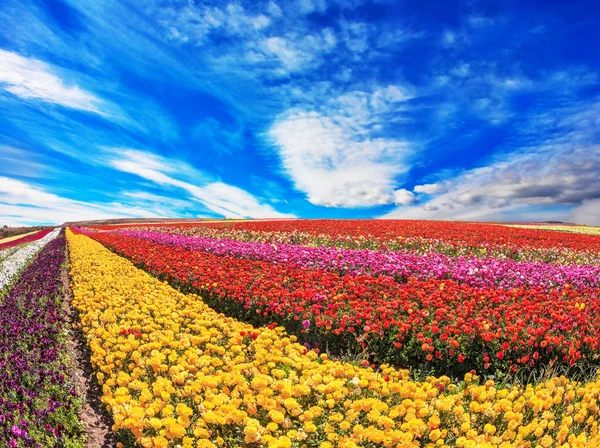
(14, 263)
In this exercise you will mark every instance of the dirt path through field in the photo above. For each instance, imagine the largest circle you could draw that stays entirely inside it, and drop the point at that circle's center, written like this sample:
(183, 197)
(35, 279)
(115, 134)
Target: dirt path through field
(96, 421)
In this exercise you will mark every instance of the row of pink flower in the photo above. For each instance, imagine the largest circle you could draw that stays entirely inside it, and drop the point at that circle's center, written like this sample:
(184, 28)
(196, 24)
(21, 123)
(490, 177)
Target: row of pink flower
(473, 271)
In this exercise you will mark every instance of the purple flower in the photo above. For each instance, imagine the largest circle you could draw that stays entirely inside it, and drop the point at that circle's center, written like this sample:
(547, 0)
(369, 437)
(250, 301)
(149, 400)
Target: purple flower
(30, 325)
(306, 323)
(18, 432)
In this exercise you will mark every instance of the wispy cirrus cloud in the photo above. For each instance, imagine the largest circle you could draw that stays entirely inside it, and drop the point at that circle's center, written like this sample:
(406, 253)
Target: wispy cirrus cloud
(38, 82)
(18, 162)
(23, 203)
(218, 197)
(151, 197)
(338, 104)
(32, 79)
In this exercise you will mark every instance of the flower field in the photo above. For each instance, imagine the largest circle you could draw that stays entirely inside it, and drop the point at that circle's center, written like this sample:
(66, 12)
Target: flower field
(176, 373)
(38, 406)
(481, 320)
(450, 238)
(19, 256)
(307, 334)
(575, 229)
(22, 239)
(15, 237)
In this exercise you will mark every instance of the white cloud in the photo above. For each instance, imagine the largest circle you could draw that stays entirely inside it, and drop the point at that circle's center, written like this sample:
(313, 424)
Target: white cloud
(430, 207)
(461, 70)
(32, 79)
(294, 52)
(22, 163)
(541, 177)
(310, 6)
(587, 213)
(429, 188)
(485, 88)
(223, 199)
(549, 176)
(476, 21)
(332, 155)
(550, 179)
(488, 89)
(155, 199)
(281, 49)
(384, 99)
(329, 37)
(356, 36)
(231, 201)
(261, 22)
(264, 40)
(193, 24)
(22, 204)
(403, 197)
(274, 10)
(449, 38)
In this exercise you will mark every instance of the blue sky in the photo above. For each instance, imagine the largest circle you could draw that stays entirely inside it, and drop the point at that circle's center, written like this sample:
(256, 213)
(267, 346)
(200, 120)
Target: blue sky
(309, 108)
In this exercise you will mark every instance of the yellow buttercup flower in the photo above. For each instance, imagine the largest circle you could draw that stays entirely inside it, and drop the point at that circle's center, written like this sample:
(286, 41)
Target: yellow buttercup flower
(196, 378)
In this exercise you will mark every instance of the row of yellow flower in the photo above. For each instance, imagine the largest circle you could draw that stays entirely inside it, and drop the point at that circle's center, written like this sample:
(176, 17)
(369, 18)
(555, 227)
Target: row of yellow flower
(587, 230)
(176, 373)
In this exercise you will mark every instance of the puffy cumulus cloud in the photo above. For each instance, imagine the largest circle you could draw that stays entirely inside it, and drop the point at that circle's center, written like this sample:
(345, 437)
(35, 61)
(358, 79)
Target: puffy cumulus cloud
(403, 197)
(333, 155)
(32, 79)
(218, 197)
(334, 167)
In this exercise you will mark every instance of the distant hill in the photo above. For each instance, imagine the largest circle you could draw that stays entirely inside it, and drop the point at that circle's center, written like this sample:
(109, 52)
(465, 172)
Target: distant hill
(547, 223)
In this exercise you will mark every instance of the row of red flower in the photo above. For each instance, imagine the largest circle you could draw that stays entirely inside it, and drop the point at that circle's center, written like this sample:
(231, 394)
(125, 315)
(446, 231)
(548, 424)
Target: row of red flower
(450, 238)
(459, 233)
(26, 239)
(446, 327)
(409, 245)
